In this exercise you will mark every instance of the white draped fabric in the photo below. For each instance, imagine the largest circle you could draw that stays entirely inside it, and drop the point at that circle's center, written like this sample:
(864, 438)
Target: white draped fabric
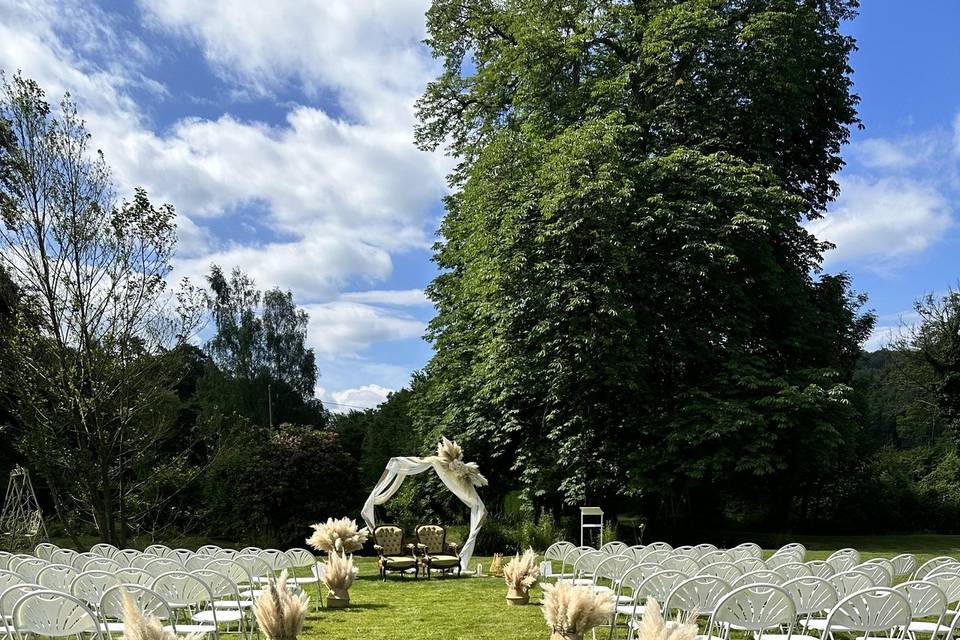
(397, 471)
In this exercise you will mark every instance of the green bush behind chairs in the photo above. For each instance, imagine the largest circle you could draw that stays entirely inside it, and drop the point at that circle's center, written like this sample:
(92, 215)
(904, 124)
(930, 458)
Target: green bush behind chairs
(437, 553)
(393, 554)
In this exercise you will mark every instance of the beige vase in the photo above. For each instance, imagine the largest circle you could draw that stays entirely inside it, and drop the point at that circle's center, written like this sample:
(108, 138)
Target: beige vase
(516, 596)
(338, 599)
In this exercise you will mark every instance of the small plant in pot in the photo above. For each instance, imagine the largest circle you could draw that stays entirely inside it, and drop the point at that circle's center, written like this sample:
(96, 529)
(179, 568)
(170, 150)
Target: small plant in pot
(521, 574)
(572, 611)
(279, 612)
(339, 539)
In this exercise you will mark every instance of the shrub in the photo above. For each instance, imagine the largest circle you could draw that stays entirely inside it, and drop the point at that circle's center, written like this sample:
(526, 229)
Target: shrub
(271, 485)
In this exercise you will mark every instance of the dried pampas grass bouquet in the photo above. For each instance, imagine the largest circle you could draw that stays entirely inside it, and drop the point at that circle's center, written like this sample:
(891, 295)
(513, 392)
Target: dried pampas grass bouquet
(653, 626)
(338, 535)
(572, 611)
(280, 613)
(520, 574)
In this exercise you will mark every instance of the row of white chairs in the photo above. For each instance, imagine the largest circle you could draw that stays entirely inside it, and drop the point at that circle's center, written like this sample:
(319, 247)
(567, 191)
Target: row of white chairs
(804, 606)
(747, 556)
(814, 599)
(263, 564)
(197, 602)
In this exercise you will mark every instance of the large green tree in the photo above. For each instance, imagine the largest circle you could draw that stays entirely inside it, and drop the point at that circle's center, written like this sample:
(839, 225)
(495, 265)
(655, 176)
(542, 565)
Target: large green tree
(629, 304)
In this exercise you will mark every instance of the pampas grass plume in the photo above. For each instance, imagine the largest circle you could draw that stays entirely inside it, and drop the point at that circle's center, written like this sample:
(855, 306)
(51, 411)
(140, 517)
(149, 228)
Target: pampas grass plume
(653, 627)
(340, 572)
(571, 610)
(338, 535)
(280, 613)
(137, 626)
(522, 572)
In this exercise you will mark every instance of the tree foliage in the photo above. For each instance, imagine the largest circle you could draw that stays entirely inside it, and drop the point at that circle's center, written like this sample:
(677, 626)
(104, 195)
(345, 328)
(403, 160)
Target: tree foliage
(96, 364)
(629, 304)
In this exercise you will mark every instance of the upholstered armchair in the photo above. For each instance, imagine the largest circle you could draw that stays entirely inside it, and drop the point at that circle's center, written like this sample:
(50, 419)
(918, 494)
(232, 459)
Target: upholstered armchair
(393, 554)
(437, 553)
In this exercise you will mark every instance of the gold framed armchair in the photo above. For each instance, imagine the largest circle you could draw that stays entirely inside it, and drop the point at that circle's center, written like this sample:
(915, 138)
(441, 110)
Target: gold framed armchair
(393, 554)
(437, 553)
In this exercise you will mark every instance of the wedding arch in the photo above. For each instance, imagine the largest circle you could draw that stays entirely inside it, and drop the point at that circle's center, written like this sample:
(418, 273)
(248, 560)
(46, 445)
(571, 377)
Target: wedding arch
(462, 478)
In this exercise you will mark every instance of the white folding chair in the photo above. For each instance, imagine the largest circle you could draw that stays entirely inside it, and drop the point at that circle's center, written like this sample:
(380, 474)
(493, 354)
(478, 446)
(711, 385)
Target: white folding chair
(8, 597)
(904, 564)
(704, 547)
(820, 568)
(878, 573)
(104, 549)
(81, 559)
(750, 564)
(159, 566)
(44, 550)
(711, 557)
(755, 608)
(927, 600)
(29, 568)
(726, 571)
(159, 550)
(778, 560)
(699, 595)
(54, 614)
(57, 576)
(187, 594)
(126, 556)
(63, 556)
(148, 601)
(934, 565)
(133, 575)
(793, 548)
(302, 558)
(793, 570)
(208, 550)
(556, 552)
(747, 550)
(849, 552)
(660, 546)
(658, 586)
(90, 586)
(101, 564)
(844, 583)
(684, 564)
(877, 612)
(223, 589)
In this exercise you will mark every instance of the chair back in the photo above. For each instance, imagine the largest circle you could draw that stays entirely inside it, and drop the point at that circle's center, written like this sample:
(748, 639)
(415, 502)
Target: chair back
(182, 590)
(146, 599)
(761, 576)
(793, 570)
(433, 537)
(714, 556)
(126, 556)
(926, 599)
(683, 564)
(755, 607)
(880, 575)
(748, 550)
(558, 550)
(750, 564)
(726, 571)
(932, 566)
(230, 568)
(811, 594)
(848, 552)
(949, 583)
(44, 550)
(847, 582)
(54, 614)
(101, 564)
(134, 575)
(821, 568)
(63, 556)
(29, 568)
(842, 562)
(793, 548)
(157, 550)
(904, 564)
(208, 550)
(90, 586)
(872, 610)
(704, 547)
(390, 538)
(660, 546)
(159, 566)
(613, 548)
(104, 549)
(8, 579)
(57, 576)
(699, 593)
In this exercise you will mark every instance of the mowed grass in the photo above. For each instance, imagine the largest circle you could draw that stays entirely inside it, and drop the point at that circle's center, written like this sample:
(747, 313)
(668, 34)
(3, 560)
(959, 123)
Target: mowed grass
(474, 608)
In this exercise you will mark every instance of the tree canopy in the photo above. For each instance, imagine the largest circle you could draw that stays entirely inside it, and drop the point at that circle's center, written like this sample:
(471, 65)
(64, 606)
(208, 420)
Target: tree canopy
(628, 302)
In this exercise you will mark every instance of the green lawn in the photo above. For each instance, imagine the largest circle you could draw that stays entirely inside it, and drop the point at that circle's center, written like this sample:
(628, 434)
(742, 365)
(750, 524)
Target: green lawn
(475, 609)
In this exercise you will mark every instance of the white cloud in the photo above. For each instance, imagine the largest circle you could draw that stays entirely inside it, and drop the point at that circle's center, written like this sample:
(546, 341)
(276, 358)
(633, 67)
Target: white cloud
(882, 219)
(366, 397)
(905, 153)
(368, 53)
(403, 298)
(348, 327)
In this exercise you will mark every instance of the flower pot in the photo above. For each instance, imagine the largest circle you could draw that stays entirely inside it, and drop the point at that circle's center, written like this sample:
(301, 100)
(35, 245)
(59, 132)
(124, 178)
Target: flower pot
(516, 596)
(338, 599)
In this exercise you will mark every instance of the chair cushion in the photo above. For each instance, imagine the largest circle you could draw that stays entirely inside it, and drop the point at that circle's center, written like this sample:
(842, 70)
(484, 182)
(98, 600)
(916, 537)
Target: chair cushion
(399, 562)
(443, 560)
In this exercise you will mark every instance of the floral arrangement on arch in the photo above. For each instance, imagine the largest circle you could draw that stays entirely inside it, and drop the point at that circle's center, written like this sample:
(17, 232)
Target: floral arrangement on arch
(338, 536)
(450, 457)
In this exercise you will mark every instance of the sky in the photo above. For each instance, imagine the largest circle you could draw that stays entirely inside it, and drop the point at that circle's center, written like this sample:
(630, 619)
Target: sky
(282, 133)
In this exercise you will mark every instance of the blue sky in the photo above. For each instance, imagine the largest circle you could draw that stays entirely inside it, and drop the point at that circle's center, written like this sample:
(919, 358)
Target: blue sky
(281, 132)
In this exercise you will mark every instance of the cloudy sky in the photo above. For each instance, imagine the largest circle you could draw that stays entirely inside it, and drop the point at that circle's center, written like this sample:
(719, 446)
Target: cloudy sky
(281, 131)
